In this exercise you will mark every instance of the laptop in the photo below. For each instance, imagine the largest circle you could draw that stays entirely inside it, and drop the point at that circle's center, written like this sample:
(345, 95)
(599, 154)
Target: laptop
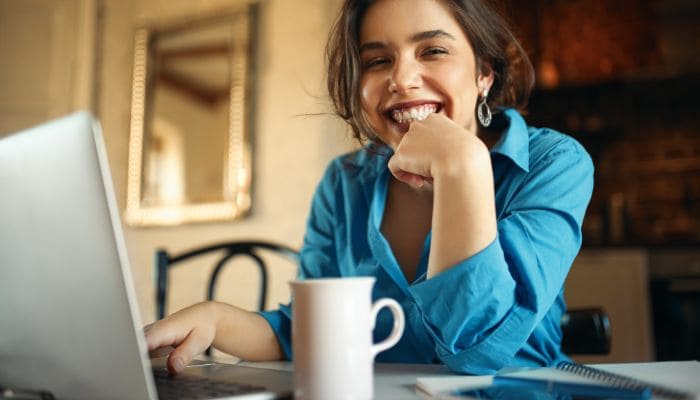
(69, 321)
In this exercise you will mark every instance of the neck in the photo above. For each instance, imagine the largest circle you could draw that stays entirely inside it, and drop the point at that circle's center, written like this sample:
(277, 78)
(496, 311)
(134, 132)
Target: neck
(490, 138)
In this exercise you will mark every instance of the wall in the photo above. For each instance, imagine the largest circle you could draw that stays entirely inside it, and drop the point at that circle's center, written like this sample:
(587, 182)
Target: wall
(616, 280)
(290, 150)
(46, 68)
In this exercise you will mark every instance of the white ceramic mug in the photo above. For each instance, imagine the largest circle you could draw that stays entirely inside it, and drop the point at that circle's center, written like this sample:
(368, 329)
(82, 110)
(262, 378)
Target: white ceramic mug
(332, 324)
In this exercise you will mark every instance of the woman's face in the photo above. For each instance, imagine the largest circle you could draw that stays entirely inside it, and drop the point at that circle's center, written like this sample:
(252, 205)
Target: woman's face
(416, 60)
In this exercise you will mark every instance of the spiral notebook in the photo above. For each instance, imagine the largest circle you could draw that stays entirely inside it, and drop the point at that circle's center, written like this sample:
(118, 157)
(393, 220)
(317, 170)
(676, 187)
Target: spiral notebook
(674, 380)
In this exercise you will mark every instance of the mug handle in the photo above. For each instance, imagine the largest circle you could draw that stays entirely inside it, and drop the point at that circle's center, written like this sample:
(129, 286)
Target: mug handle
(396, 331)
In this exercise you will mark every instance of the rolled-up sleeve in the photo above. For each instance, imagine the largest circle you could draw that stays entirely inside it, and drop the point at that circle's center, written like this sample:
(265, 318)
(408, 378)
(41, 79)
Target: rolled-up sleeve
(482, 311)
(280, 321)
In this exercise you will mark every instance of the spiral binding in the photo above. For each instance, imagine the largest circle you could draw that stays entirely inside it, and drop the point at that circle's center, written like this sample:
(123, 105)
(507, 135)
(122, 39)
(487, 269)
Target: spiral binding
(622, 381)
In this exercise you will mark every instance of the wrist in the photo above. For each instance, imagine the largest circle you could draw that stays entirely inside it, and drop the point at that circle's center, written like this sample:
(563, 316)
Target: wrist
(223, 313)
(460, 162)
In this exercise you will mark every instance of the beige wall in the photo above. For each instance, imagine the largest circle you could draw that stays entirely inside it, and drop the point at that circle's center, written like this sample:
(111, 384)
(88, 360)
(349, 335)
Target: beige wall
(290, 151)
(617, 281)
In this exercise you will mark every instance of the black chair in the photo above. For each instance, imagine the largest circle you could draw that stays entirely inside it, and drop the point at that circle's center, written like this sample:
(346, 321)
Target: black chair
(228, 250)
(585, 330)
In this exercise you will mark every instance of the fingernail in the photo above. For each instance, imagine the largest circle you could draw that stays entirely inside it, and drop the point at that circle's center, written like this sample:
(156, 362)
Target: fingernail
(178, 364)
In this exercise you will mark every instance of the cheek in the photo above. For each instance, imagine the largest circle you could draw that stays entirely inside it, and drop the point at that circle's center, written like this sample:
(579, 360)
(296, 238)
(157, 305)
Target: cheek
(367, 94)
(370, 97)
(468, 108)
(457, 78)
(364, 96)
(470, 98)
(368, 103)
(461, 91)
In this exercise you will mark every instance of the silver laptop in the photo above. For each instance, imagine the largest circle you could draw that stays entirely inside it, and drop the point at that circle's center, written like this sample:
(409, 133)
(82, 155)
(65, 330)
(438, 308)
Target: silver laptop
(69, 321)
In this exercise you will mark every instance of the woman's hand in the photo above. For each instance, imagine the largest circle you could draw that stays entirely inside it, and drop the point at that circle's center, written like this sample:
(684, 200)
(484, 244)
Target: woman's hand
(184, 334)
(436, 146)
(192, 330)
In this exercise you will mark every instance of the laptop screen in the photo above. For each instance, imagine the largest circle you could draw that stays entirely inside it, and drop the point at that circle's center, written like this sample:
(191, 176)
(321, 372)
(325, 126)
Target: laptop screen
(68, 313)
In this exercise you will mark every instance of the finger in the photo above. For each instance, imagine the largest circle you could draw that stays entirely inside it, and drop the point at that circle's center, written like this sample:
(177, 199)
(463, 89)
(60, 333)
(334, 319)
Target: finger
(161, 352)
(162, 334)
(152, 338)
(195, 343)
(398, 172)
(410, 179)
(148, 327)
(417, 181)
(401, 163)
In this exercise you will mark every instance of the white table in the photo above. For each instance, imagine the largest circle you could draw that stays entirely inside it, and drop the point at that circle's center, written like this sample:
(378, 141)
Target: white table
(391, 381)
(398, 381)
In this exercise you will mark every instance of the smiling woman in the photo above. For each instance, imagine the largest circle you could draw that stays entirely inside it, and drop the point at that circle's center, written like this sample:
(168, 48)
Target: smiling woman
(463, 213)
(189, 154)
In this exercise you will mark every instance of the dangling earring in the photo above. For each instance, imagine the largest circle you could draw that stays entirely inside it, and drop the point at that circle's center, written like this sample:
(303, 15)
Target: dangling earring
(483, 111)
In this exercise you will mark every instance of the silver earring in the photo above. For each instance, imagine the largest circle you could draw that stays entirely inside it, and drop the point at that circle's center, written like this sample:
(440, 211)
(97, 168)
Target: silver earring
(483, 111)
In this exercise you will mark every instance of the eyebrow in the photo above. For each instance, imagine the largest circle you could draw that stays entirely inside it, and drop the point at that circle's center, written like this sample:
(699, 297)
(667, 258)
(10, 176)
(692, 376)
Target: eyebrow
(417, 37)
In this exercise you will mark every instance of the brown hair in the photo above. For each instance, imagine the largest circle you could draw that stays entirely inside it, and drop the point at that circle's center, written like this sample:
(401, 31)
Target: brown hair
(493, 44)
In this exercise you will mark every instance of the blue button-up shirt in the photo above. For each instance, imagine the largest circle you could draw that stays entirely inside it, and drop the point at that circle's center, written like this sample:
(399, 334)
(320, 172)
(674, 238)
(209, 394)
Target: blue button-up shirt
(499, 307)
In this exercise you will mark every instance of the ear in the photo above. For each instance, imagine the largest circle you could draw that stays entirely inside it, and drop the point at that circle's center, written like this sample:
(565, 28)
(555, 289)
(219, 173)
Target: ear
(485, 78)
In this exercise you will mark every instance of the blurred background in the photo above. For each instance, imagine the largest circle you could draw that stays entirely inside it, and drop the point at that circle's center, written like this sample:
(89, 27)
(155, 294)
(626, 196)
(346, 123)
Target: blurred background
(622, 77)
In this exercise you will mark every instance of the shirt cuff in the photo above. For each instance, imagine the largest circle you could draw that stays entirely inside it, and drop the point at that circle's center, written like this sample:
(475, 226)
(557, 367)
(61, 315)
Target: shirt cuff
(496, 350)
(281, 323)
(470, 311)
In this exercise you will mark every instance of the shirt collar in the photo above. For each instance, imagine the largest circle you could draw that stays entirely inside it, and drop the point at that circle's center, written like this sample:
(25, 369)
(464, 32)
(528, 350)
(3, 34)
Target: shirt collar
(514, 141)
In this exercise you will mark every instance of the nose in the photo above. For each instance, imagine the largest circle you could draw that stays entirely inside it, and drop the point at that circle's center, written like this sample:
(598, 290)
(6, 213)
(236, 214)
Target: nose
(404, 76)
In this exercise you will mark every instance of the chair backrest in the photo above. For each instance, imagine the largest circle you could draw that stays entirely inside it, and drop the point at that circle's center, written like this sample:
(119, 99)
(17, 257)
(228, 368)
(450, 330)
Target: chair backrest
(228, 250)
(584, 330)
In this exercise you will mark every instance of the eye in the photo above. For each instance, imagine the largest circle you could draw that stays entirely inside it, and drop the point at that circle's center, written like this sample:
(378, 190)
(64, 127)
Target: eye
(434, 51)
(375, 62)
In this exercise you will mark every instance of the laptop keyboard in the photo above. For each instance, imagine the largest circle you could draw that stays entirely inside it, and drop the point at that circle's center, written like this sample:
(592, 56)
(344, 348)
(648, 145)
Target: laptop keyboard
(190, 387)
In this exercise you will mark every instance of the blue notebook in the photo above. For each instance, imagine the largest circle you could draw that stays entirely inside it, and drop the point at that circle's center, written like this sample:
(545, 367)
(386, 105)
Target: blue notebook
(677, 380)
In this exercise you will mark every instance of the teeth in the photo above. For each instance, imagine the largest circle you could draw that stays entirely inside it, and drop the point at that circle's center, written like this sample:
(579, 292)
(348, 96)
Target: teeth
(418, 113)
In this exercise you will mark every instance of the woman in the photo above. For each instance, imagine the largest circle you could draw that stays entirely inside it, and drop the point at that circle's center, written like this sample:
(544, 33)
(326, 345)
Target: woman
(464, 214)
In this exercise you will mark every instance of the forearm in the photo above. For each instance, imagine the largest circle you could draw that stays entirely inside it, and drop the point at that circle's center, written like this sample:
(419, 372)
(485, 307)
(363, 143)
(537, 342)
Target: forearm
(244, 334)
(464, 214)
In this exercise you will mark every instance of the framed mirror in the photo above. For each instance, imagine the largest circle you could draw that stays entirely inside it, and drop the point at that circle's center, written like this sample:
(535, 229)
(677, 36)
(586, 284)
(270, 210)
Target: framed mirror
(189, 149)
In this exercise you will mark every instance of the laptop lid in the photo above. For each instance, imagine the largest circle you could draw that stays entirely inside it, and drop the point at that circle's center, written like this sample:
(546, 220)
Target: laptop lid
(68, 317)
(69, 321)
